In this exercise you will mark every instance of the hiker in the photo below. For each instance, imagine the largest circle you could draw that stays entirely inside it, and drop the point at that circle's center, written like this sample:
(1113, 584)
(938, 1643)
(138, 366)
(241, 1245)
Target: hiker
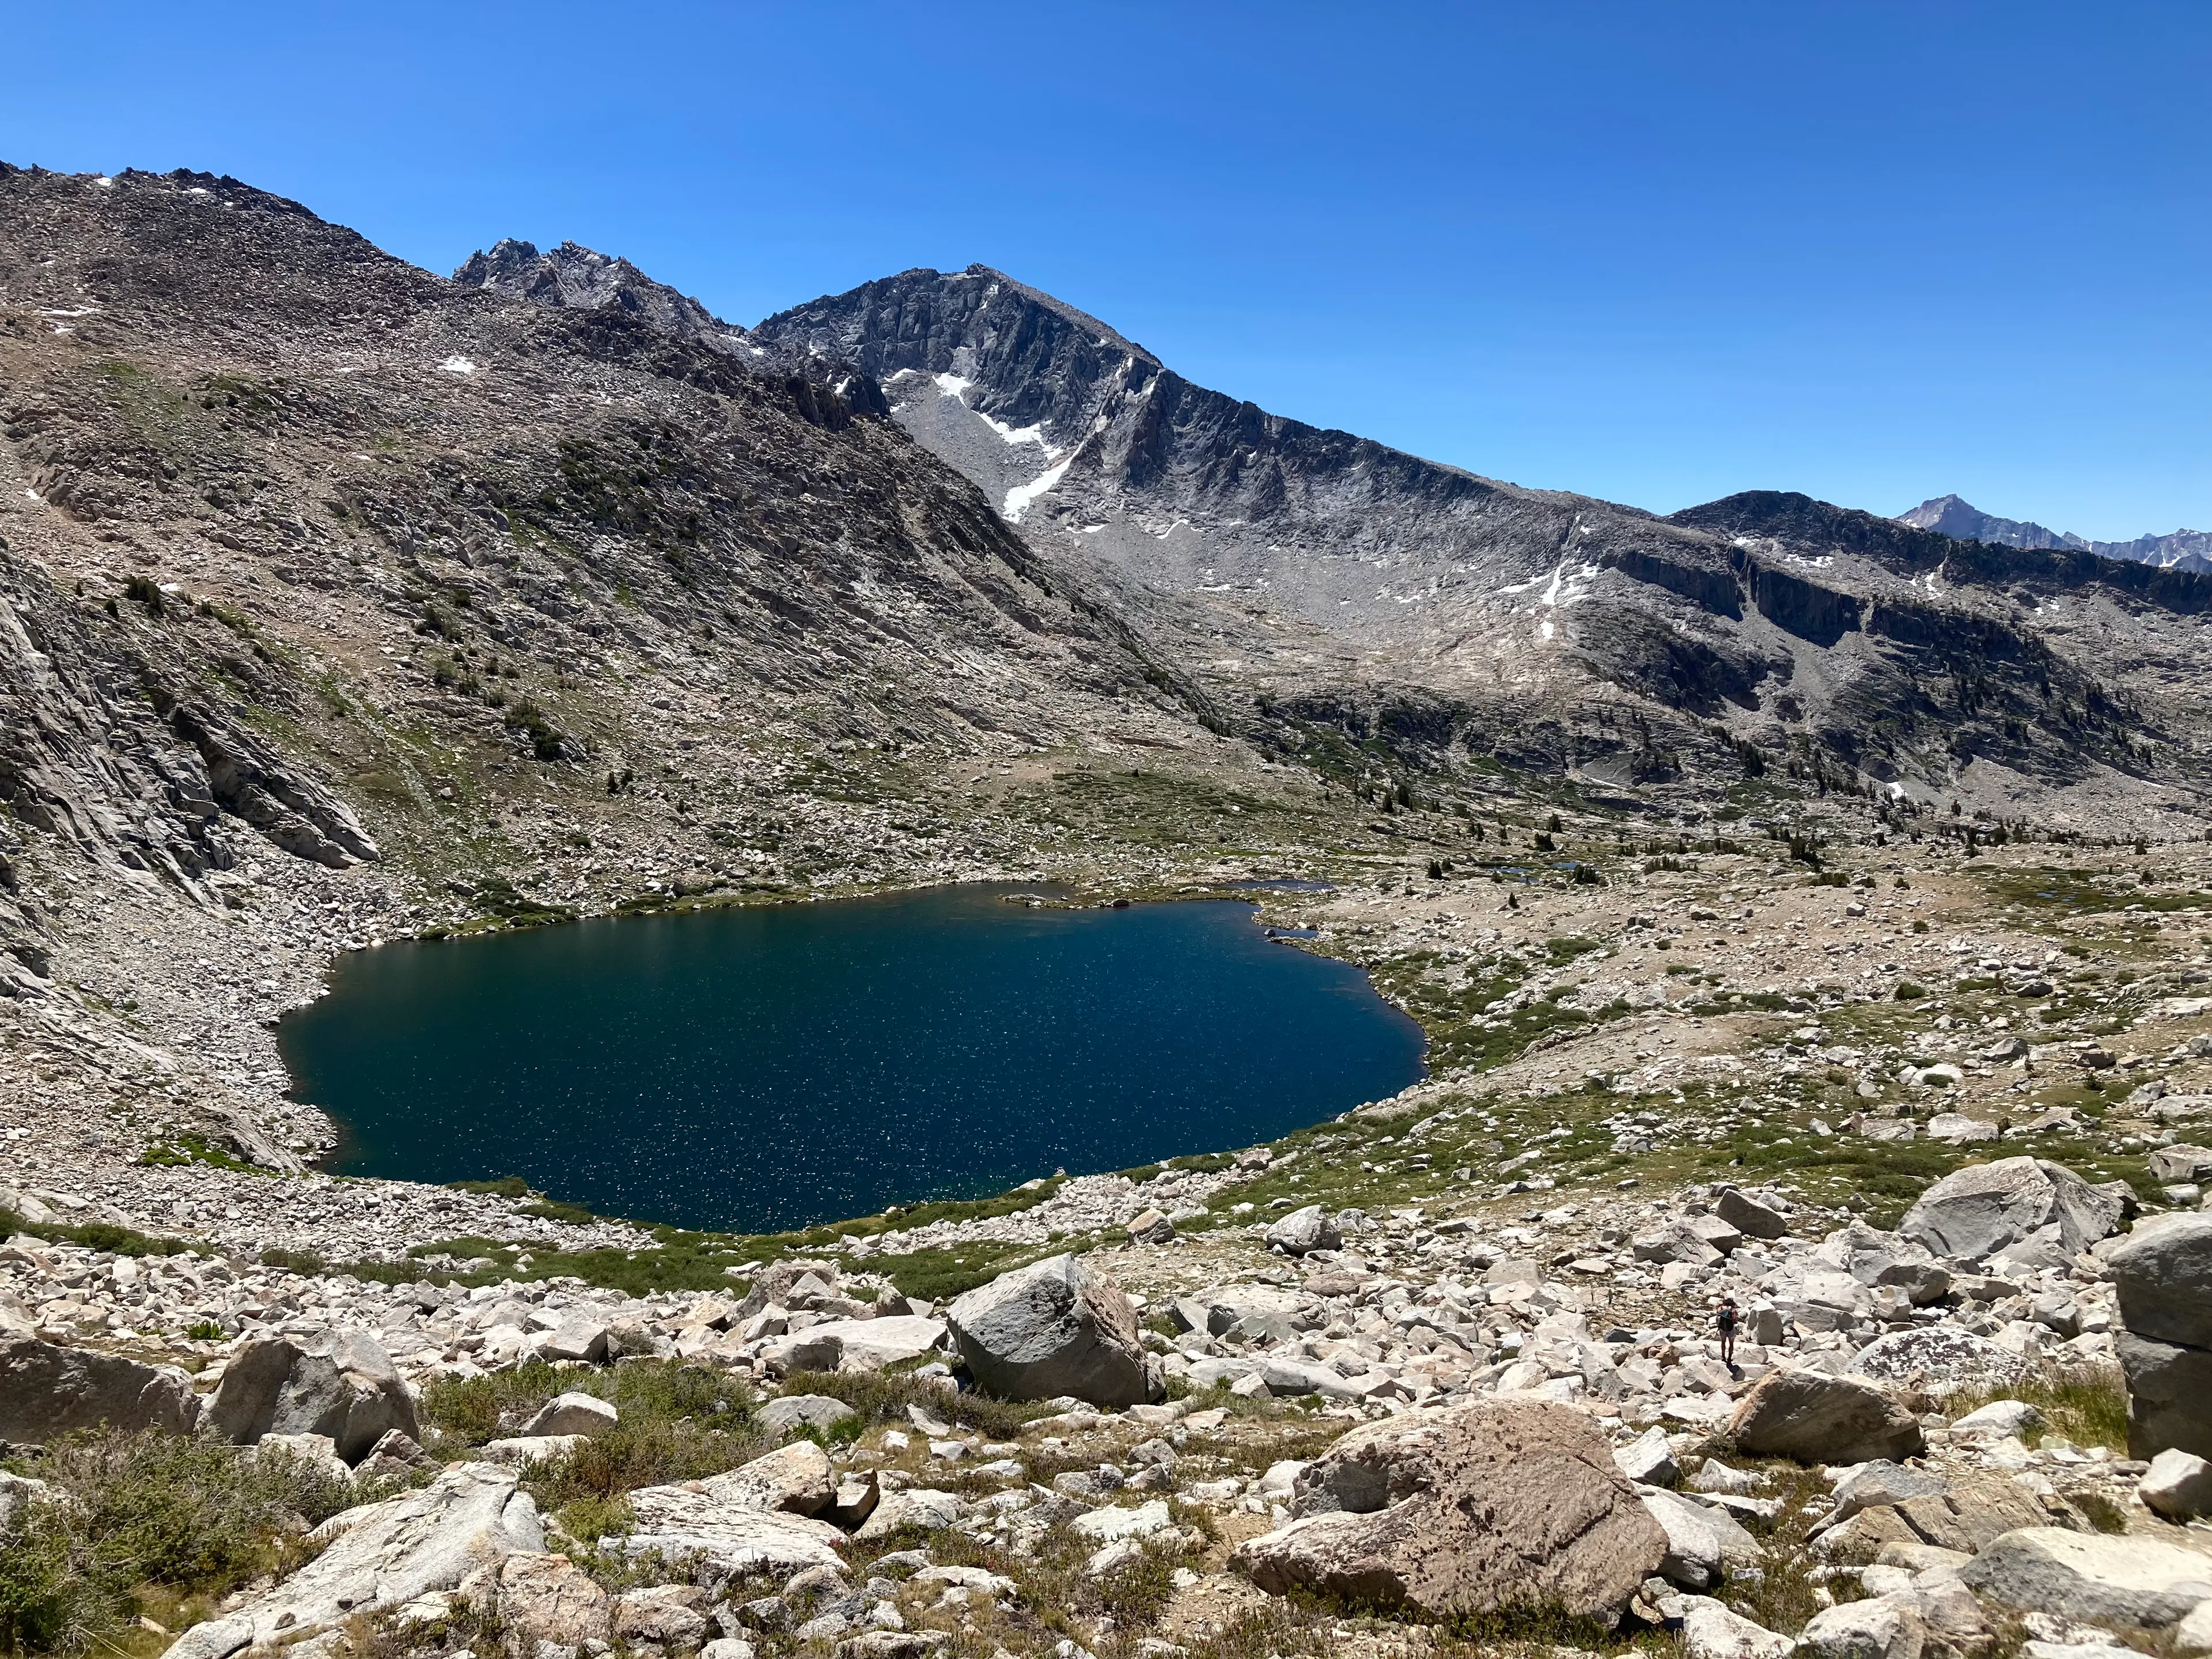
(1724, 1321)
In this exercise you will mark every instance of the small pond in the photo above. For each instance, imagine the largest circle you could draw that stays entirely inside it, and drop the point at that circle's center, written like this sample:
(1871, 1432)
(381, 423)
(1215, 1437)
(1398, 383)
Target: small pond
(763, 1068)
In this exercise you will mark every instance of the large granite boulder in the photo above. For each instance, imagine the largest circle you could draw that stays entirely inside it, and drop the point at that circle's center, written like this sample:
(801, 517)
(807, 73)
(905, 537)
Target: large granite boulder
(340, 1383)
(1815, 1418)
(382, 1555)
(48, 1390)
(1464, 1511)
(2117, 1580)
(545, 1598)
(1986, 1209)
(2162, 1273)
(1748, 1216)
(1303, 1230)
(1050, 1329)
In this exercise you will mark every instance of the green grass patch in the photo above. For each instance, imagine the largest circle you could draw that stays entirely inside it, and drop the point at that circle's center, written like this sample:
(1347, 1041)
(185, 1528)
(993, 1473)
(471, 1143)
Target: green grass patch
(188, 1148)
(2085, 1404)
(92, 1235)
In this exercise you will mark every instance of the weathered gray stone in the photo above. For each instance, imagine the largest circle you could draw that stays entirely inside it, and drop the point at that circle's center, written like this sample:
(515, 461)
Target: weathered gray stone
(2169, 1395)
(797, 1479)
(2181, 1163)
(518, 1450)
(573, 1413)
(394, 1456)
(21, 1497)
(548, 1598)
(918, 1507)
(1303, 1230)
(2193, 1635)
(2177, 1485)
(47, 1390)
(1879, 1627)
(1747, 1215)
(1466, 1509)
(578, 1337)
(2000, 1417)
(1703, 1545)
(340, 1383)
(211, 1638)
(681, 1522)
(1150, 1227)
(1051, 1330)
(792, 1410)
(854, 1344)
(1974, 1212)
(1818, 1418)
(1710, 1631)
(1880, 1483)
(1716, 1477)
(2092, 1576)
(1937, 1355)
(382, 1555)
(1978, 1506)
(667, 1614)
(2162, 1274)
(1647, 1460)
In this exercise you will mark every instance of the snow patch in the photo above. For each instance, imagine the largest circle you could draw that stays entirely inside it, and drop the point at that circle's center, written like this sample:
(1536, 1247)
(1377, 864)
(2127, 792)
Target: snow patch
(457, 365)
(1021, 496)
(952, 386)
(1022, 434)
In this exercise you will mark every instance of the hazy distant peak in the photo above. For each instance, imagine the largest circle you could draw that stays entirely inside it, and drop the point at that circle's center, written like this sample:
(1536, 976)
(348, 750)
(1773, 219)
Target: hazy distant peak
(1950, 516)
(1947, 515)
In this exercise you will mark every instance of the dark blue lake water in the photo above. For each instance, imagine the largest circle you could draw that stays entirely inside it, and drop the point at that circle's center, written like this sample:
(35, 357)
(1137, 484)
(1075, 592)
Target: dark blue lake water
(767, 1068)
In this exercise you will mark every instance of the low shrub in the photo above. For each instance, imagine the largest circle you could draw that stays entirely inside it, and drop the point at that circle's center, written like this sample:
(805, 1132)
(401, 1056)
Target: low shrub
(884, 1396)
(190, 1515)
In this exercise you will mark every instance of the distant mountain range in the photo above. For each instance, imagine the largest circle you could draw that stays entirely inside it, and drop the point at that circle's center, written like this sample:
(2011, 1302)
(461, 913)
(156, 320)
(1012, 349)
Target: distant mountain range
(2185, 549)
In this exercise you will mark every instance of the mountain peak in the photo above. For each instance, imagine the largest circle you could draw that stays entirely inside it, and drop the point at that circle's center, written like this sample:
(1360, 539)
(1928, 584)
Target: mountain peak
(1953, 516)
(573, 277)
(1948, 515)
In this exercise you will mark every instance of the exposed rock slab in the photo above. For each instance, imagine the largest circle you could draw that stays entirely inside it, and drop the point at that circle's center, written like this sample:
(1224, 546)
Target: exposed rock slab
(1466, 1509)
(2121, 1580)
(382, 1555)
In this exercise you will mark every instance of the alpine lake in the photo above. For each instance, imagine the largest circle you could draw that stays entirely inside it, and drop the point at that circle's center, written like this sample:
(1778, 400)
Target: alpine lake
(762, 1068)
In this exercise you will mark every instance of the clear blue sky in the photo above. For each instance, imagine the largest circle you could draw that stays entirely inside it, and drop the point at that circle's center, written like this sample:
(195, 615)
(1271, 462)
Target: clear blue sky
(1654, 252)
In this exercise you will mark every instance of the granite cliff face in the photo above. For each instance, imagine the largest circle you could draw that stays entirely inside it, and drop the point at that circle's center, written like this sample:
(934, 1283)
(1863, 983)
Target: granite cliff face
(1319, 580)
